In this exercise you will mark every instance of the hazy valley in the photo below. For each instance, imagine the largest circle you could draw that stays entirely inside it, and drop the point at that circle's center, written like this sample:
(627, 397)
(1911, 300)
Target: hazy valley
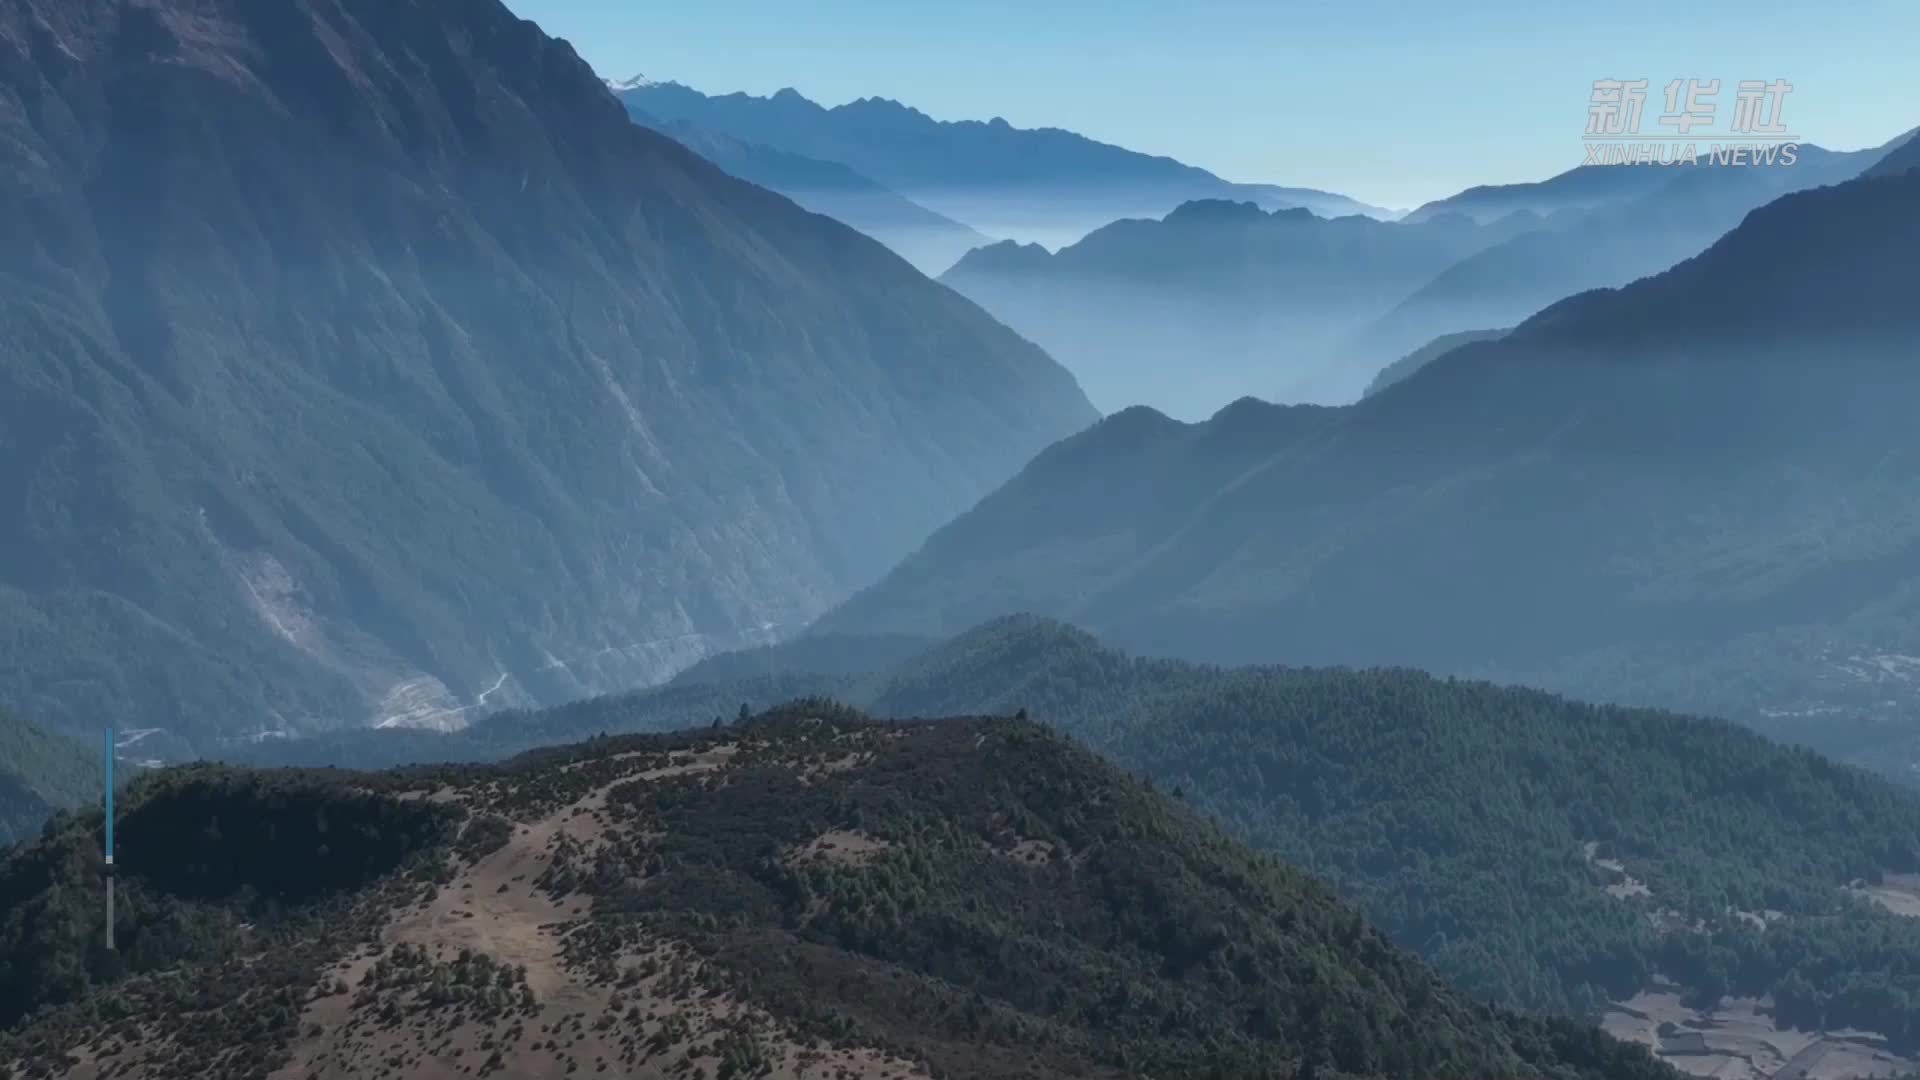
(591, 577)
(1708, 466)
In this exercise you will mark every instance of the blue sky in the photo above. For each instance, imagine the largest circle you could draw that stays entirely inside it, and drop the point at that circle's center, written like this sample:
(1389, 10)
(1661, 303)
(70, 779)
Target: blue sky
(1390, 102)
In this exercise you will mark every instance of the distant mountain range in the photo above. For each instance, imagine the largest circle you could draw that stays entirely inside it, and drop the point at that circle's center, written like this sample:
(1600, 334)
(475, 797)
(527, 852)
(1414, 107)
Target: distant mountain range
(363, 362)
(1218, 300)
(1635, 222)
(1221, 300)
(931, 242)
(1692, 491)
(1043, 184)
(1590, 187)
(1575, 191)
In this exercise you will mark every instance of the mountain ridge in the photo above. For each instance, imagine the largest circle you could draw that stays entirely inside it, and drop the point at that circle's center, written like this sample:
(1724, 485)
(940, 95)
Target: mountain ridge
(1218, 299)
(1456, 814)
(1639, 223)
(805, 889)
(1636, 476)
(928, 240)
(1048, 184)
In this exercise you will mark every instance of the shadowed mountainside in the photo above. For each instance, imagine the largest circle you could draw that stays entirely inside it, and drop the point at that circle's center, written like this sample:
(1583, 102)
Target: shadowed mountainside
(363, 361)
(1427, 354)
(930, 242)
(1688, 492)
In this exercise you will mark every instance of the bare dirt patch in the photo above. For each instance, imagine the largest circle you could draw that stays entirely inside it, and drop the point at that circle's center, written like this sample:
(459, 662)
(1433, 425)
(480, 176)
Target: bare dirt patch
(839, 847)
(640, 1011)
(1624, 886)
(1031, 852)
(1898, 893)
(1739, 1040)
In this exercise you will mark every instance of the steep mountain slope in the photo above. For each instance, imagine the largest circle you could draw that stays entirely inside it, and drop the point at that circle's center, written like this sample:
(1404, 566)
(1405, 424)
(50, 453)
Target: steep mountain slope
(1577, 190)
(40, 773)
(930, 242)
(1043, 184)
(1216, 301)
(1458, 816)
(1900, 159)
(1427, 354)
(807, 893)
(362, 361)
(1641, 228)
(1687, 492)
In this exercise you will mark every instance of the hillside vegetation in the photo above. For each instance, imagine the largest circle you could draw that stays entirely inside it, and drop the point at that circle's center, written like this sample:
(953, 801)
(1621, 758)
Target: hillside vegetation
(800, 890)
(1478, 825)
(40, 773)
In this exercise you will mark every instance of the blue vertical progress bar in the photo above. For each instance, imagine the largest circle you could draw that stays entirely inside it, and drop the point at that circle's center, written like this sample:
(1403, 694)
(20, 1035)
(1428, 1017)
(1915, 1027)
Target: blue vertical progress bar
(111, 946)
(109, 796)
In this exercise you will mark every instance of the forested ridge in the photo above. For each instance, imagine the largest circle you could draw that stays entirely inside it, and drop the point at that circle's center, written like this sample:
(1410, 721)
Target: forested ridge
(39, 773)
(234, 887)
(1013, 907)
(1456, 814)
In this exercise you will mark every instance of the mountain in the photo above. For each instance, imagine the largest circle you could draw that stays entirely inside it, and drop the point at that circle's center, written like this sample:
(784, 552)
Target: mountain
(39, 774)
(1648, 222)
(1217, 300)
(930, 242)
(1427, 354)
(362, 362)
(1541, 853)
(1589, 187)
(1686, 492)
(1577, 190)
(1905, 155)
(804, 893)
(1040, 184)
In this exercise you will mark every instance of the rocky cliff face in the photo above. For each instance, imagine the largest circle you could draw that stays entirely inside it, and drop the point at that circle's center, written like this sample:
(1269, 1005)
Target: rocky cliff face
(360, 361)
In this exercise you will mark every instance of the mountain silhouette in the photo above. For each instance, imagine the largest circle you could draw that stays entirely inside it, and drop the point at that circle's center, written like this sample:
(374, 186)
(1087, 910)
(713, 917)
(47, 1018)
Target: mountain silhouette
(929, 241)
(1026, 184)
(1427, 354)
(1577, 190)
(1905, 155)
(1690, 492)
(1651, 218)
(1217, 300)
